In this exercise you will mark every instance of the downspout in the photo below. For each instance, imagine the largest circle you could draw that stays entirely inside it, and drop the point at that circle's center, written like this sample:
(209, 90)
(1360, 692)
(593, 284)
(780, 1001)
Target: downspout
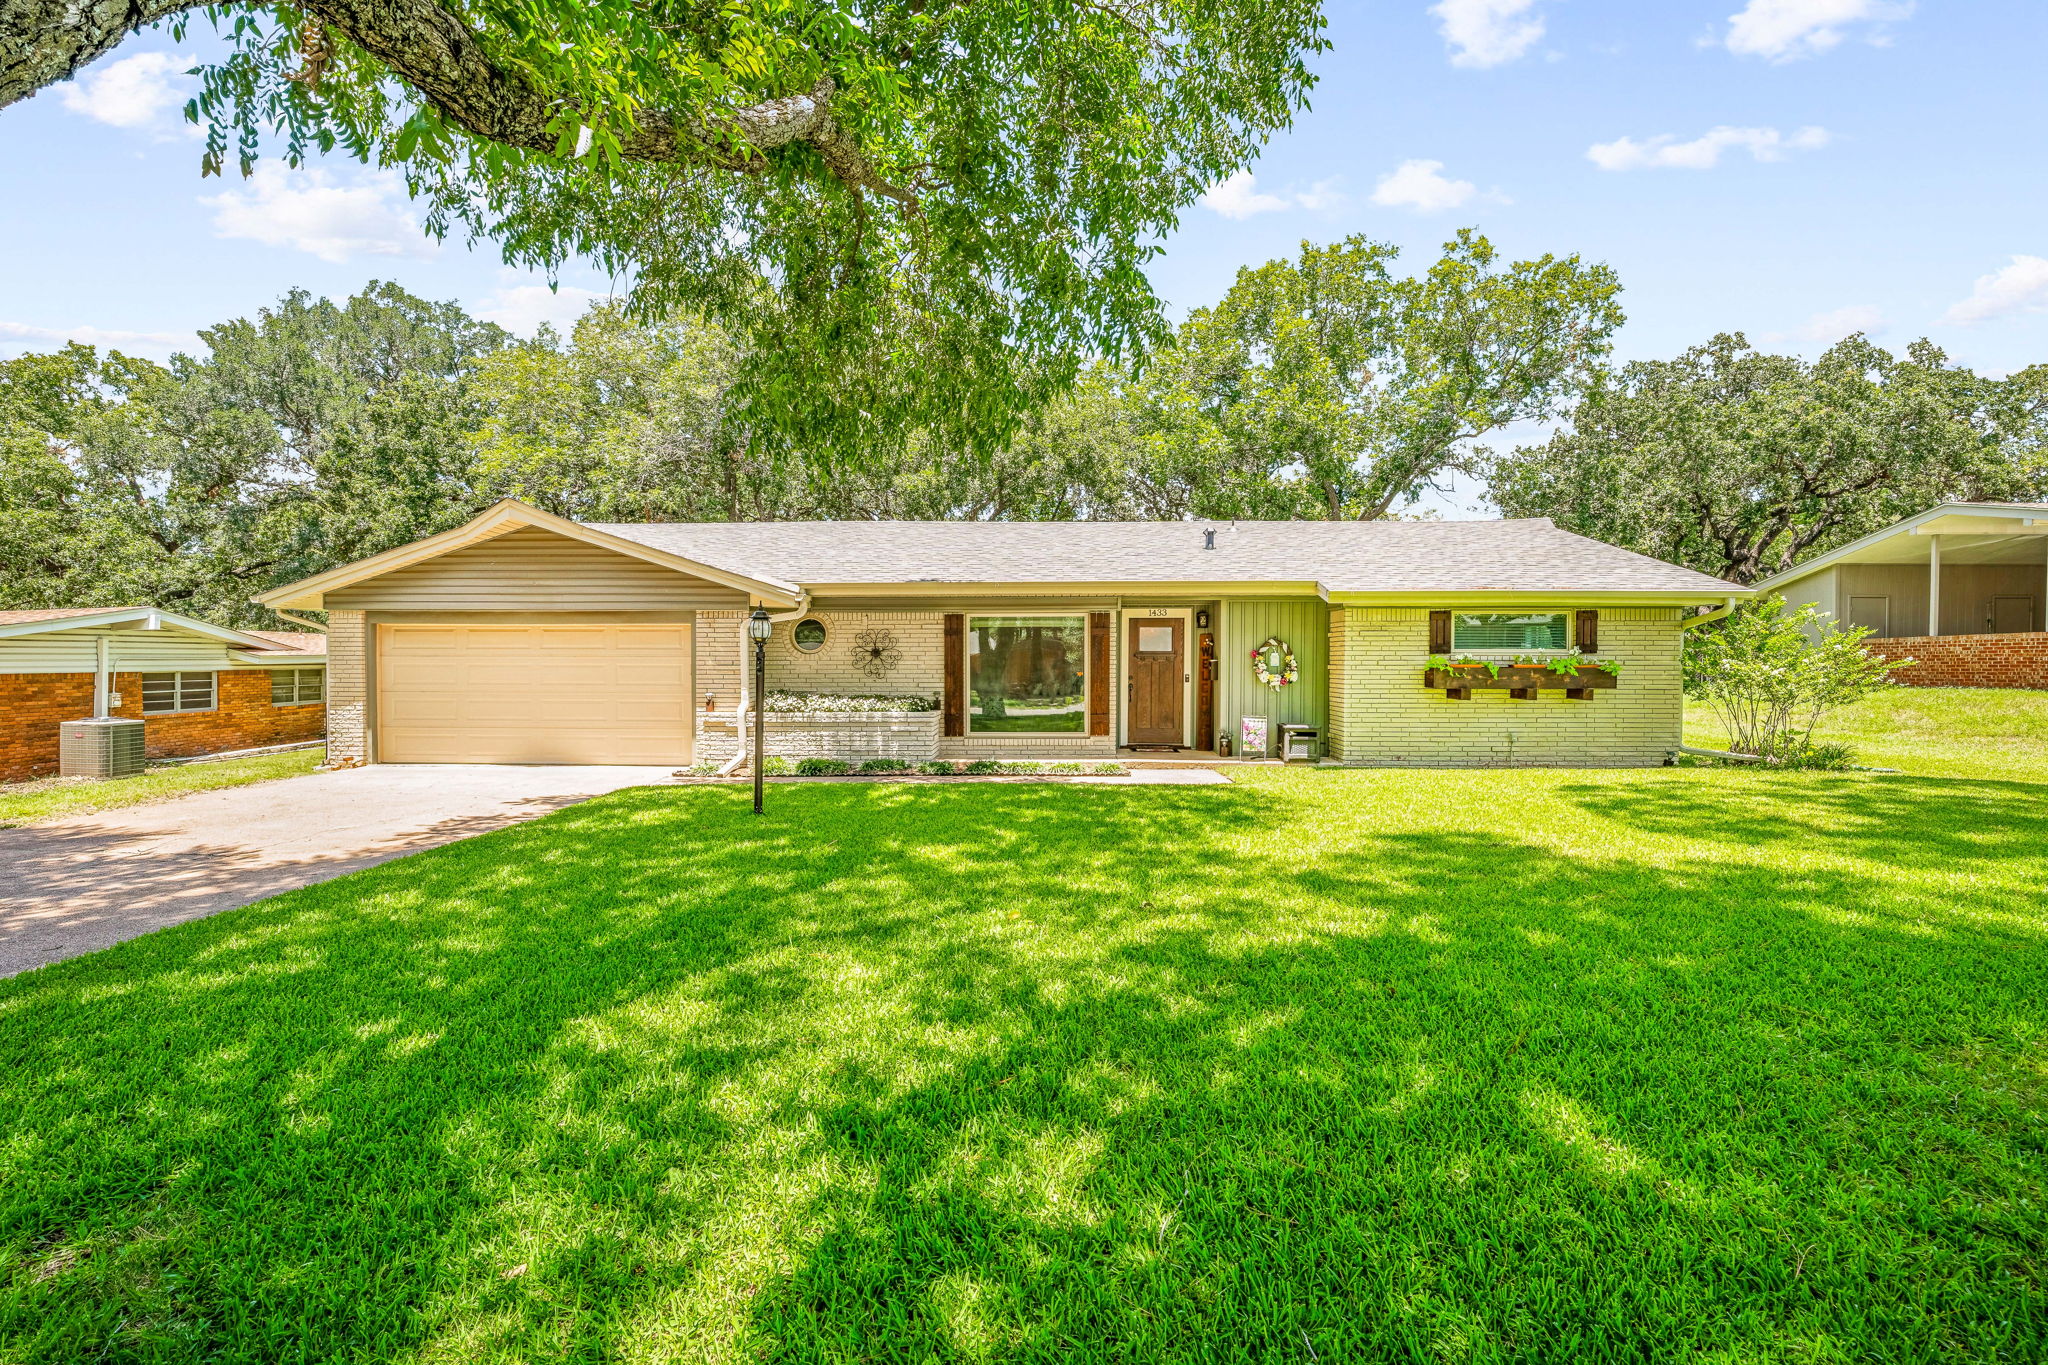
(1689, 622)
(102, 676)
(739, 758)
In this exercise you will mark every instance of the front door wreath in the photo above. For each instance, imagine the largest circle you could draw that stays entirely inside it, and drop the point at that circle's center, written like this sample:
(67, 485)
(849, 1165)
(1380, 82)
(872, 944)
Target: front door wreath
(1273, 664)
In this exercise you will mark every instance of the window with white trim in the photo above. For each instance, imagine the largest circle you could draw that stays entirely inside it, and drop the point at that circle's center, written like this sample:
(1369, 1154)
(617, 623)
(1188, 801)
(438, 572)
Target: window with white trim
(165, 694)
(297, 686)
(1510, 630)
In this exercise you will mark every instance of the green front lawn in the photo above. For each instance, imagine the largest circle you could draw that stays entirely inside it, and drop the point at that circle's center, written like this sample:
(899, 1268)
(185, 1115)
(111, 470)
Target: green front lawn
(1933, 731)
(46, 798)
(1694, 1063)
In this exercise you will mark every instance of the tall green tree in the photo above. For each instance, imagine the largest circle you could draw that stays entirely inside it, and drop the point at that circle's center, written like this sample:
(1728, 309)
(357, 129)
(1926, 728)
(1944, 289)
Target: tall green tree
(1741, 463)
(917, 213)
(312, 434)
(629, 421)
(1330, 387)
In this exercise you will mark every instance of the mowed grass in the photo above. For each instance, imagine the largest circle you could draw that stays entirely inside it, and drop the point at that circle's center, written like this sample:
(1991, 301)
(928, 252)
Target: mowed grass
(1934, 731)
(1688, 1064)
(23, 803)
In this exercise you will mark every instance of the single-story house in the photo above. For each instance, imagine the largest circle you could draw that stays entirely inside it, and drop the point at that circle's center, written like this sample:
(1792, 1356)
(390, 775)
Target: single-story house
(198, 688)
(1962, 589)
(522, 637)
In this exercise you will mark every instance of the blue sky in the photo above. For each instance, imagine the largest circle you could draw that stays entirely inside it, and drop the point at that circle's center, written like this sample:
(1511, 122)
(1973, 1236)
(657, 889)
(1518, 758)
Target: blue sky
(1795, 169)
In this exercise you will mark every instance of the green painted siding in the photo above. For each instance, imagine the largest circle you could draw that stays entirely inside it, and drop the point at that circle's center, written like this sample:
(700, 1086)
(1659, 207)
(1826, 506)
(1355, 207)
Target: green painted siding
(1304, 624)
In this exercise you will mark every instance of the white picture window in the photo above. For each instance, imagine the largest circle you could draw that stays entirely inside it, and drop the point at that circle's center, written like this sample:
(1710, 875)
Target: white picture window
(1509, 630)
(297, 686)
(166, 694)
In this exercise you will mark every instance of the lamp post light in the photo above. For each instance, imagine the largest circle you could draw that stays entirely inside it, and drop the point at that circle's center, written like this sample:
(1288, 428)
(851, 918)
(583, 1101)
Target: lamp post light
(758, 630)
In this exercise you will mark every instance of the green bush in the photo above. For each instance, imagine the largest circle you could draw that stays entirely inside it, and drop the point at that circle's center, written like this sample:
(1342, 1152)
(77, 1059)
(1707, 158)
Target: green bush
(823, 767)
(1066, 769)
(982, 767)
(775, 765)
(885, 765)
(1828, 758)
(1772, 674)
(937, 767)
(1020, 769)
(1109, 770)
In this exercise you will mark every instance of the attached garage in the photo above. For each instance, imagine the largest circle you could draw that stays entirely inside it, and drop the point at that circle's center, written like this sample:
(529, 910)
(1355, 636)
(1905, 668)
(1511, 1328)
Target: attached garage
(529, 693)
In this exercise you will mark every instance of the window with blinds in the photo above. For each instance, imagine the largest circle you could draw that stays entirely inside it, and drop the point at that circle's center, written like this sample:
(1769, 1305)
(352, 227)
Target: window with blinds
(297, 686)
(168, 693)
(1509, 630)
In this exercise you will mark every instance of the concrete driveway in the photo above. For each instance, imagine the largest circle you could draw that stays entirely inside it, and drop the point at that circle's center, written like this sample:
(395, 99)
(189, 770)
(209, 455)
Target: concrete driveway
(70, 886)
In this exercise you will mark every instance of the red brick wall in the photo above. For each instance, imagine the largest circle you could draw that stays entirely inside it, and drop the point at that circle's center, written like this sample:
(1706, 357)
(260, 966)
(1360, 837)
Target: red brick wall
(32, 705)
(1969, 660)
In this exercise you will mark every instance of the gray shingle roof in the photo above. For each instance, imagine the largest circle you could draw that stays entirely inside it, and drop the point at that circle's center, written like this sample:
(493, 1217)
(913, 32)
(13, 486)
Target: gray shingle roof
(1373, 556)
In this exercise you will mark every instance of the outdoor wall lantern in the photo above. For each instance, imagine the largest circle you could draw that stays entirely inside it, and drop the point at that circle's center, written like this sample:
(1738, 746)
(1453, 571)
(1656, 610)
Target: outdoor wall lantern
(758, 630)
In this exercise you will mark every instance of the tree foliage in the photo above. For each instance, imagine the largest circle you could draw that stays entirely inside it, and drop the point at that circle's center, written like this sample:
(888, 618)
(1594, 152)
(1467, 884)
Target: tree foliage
(1740, 463)
(1772, 675)
(1330, 387)
(315, 434)
(914, 215)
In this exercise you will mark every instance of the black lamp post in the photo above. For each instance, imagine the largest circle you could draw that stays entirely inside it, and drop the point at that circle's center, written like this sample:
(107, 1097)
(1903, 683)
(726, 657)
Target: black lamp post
(758, 630)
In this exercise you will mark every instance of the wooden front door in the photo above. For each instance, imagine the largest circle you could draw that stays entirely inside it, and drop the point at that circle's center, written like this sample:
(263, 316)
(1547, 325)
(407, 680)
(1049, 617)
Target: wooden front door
(2011, 615)
(1158, 671)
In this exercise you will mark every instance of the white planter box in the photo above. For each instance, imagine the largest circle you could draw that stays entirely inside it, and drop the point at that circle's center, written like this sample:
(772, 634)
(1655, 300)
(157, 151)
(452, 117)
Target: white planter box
(854, 735)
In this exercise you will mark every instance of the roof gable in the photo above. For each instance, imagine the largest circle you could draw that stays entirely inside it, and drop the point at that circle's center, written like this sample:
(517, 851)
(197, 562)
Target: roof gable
(505, 517)
(1947, 518)
(43, 622)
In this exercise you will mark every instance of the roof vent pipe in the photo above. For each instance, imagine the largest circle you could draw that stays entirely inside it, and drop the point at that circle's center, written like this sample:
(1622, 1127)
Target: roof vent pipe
(1209, 540)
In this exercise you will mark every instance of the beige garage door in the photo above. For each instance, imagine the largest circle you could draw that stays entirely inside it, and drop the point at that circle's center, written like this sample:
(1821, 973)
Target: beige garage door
(533, 694)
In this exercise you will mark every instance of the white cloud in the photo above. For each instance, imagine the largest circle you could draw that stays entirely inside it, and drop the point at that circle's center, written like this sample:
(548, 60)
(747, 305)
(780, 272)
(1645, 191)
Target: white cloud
(307, 210)
(1786, 30)
(1240, 197)
(1419, 185)
(134, 92)
(1833, 325)
(1322, 197)
(522, 308)
(1484, 33)
(1237, 198)
(20, 336)
(1704, 152)
(2022, 287)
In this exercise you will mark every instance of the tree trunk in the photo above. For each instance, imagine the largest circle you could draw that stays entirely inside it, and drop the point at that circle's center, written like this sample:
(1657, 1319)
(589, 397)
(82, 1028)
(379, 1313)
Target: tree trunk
(43, 42)
(433, 50)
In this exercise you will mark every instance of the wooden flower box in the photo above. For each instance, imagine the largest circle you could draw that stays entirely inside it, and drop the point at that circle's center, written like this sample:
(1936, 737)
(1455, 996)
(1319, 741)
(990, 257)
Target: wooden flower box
(1520, 681)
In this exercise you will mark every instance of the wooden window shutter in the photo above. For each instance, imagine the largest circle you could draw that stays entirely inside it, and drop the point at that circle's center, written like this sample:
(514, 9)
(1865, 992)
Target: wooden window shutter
(1098, 672)
(956, 676)
(1439, 632)
(1587, 636)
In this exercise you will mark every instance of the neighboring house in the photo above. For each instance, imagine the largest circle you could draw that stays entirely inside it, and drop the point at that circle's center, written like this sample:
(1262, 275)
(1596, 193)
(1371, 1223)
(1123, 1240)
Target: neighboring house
(1960, 588)
(525, 638)
(198, 688)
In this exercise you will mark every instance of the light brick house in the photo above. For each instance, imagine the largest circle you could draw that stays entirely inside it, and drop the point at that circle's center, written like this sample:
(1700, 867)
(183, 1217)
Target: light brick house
(198, 688)
(1961, 589)
(522, 637)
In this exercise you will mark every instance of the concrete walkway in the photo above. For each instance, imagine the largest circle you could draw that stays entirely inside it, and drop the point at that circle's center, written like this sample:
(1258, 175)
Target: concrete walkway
(83, 882)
